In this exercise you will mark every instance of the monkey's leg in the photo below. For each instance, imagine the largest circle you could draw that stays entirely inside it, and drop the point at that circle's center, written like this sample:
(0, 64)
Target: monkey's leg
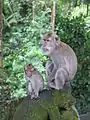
(36, 93)
(31, 90)
(36, 89)
(60, 79)
(75, 110)
(32, 95)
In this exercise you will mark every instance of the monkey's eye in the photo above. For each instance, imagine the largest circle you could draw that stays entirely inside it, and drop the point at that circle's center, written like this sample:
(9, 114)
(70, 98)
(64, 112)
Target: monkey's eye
(44, 39)
(47, 40)
(56, 38)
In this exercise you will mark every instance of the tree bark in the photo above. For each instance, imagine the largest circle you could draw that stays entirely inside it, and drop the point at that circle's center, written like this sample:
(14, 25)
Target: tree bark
(5, 92)
(87, 9)
(1, 41)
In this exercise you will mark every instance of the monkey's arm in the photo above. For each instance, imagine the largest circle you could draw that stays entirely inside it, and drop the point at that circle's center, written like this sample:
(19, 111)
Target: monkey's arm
(49, 67)
(50, 70)
(29, 88)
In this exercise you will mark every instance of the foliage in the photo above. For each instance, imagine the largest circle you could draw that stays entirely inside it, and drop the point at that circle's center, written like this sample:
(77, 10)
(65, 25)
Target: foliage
(22, 43)
(24, 48)
(79, 10)
(86, 1)
(73, 32)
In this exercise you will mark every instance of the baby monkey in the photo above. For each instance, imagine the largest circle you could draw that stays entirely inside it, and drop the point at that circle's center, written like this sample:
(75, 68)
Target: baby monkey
(35, 82)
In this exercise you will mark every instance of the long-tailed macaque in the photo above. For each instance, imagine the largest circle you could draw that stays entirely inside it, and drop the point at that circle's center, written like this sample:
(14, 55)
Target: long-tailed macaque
(35, 82)
(63, 65)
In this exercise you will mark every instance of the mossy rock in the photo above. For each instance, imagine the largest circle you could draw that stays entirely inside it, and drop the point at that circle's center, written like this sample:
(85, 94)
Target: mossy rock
(52, 105)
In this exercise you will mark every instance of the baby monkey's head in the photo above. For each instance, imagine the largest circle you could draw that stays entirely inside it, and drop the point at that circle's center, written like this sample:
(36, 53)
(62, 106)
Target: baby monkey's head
(29, 69)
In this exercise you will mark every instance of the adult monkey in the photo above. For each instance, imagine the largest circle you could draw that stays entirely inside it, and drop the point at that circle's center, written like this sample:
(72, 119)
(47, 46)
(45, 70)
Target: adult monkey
(63, 66)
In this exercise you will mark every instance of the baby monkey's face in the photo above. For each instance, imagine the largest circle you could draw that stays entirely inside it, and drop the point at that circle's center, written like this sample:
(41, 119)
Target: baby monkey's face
(29, 70)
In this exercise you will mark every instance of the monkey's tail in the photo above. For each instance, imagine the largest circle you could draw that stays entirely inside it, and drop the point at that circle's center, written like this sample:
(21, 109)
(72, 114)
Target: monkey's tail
(75, 110)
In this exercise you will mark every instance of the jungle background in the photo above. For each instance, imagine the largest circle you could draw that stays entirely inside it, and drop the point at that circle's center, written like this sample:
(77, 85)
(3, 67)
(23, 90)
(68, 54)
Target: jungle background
(25, 22)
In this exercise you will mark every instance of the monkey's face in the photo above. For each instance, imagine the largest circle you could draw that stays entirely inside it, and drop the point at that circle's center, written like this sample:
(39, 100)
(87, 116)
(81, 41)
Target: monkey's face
(29, 70)
(49, 43)
(48, 46)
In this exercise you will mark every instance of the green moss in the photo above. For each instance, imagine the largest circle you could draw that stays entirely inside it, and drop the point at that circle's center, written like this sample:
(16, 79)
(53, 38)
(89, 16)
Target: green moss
(68, 115)
(57, 108)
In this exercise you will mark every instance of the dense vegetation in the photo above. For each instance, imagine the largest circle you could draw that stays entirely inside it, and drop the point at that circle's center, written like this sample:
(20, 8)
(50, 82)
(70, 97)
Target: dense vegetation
(22, 33)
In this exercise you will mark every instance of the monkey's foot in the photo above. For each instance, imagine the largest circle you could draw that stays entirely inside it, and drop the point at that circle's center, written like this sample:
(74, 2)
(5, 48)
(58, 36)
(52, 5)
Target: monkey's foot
(51, 85)
(35, 97)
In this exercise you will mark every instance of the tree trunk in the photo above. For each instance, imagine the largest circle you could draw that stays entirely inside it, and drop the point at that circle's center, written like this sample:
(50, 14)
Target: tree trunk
(33, 9)
(87, 9)
(1, 41)
(53, 16)
(5, 92)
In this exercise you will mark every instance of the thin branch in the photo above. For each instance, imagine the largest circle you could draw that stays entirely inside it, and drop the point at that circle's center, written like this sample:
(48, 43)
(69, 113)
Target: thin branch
(33, 6)
(53, 16)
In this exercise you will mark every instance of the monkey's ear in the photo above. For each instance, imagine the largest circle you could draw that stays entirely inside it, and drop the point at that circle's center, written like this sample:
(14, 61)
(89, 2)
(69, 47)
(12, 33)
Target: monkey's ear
(29, 64)
(57, 40)
(25, 67)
